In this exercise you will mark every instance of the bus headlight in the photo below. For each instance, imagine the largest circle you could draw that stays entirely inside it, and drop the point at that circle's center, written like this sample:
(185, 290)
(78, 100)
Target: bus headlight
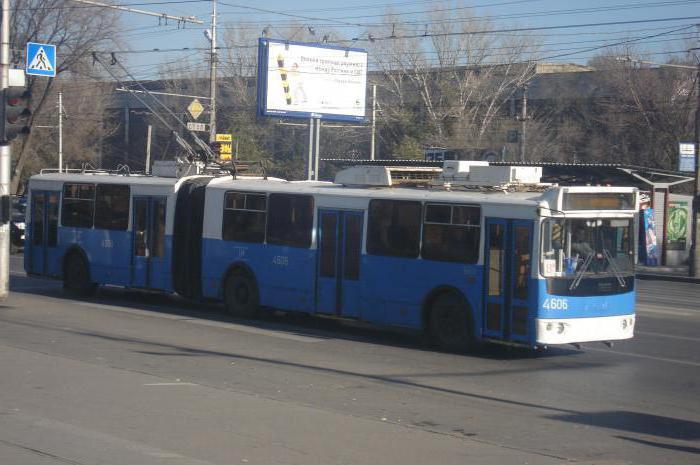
(549, 326)
(624, 323)
(561, 328)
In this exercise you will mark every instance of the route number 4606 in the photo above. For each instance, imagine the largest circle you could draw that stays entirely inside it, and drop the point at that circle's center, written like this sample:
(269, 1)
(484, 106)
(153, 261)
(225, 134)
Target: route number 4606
(555, 304)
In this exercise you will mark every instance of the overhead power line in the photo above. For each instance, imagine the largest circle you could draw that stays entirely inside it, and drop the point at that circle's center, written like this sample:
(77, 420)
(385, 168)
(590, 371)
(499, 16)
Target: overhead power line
(393, 36)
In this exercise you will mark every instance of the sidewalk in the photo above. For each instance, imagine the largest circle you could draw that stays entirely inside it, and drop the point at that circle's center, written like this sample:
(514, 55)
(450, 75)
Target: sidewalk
(665, 273)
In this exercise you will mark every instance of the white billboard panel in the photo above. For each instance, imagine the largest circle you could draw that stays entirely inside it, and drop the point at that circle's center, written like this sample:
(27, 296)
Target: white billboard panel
(309, 80)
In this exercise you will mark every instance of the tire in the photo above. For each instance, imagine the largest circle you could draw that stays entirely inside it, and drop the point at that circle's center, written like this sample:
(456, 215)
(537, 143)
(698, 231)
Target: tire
(241, 295)
(76, 276)
(450, 322)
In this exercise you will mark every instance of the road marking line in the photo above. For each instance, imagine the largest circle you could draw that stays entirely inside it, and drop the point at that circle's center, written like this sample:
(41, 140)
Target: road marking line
(171, 384)
(665, 312)
(670, 336)
(650, 357)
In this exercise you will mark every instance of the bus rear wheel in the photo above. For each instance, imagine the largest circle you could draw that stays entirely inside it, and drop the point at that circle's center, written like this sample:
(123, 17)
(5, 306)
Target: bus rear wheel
(241, 295)
(76, 276)
(450, 324)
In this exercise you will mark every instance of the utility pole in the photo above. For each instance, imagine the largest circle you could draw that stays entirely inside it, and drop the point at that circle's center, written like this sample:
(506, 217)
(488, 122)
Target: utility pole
(523, 125)
(694, 268)
(148, 149)
(5, 158)
(214, 58)
(60, 132)
(374, 120)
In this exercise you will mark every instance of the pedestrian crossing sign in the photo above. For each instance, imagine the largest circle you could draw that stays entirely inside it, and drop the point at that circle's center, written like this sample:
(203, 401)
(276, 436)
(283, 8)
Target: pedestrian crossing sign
(41, 59)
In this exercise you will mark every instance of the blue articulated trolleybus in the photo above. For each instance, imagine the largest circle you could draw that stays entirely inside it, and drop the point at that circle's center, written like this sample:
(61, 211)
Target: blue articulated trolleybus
(468, 253)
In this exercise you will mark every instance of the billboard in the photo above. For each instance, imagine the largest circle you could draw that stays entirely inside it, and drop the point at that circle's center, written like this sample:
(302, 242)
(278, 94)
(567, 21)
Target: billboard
(302, 80)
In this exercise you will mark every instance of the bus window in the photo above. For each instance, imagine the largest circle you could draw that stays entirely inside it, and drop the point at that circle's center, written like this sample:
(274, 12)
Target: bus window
(451, 233)
(38, 219)
(394, 228)
(52, 218)
(353, 247)
(522, 261)
(140, 227)
(78, 205)
(244, 217)
(290, 220)
(112, 207)
(158, 225)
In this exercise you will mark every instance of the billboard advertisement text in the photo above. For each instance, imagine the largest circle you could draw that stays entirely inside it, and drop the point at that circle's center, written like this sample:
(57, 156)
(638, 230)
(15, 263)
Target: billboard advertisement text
(311, 81)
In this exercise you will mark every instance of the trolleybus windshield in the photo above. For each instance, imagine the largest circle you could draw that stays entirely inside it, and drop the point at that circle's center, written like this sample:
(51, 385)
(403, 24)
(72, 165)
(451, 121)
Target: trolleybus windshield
(591, 246)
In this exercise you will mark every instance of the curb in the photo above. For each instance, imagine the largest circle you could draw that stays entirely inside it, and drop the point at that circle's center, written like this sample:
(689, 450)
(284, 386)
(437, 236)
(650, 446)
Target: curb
(667, 277)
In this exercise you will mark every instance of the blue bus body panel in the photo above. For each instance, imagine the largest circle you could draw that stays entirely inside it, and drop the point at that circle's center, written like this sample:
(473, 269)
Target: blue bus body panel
(108, 252)
(285, 275)
(109, 255)
(584, 307)
(394, 289)
(391, 290)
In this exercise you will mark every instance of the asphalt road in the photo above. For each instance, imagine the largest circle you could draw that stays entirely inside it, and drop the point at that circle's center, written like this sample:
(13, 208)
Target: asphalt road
(135, 378)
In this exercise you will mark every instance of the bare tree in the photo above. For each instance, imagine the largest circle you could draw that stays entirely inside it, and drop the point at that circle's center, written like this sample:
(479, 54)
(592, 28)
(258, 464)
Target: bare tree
(76, 30)
(454, 75)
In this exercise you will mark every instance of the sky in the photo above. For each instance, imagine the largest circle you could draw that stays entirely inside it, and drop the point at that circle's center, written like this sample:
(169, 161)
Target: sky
(564, 37)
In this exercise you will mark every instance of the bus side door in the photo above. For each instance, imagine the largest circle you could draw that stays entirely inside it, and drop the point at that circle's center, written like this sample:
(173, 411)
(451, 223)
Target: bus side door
(42, 237)
(148, 243)
(507, 264)
(339, 250)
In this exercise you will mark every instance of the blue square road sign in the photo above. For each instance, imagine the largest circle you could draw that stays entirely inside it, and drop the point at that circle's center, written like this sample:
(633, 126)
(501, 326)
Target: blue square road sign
(41, 59)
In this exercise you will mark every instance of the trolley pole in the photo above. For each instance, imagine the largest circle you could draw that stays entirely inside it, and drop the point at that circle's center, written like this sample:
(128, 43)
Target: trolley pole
(214, 59)
(5, 159)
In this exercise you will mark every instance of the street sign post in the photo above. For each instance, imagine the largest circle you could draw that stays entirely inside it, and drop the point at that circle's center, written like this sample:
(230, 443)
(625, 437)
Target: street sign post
(225, 143)
(195, 109)
(41, 59)
(197, 127)
(686, 156)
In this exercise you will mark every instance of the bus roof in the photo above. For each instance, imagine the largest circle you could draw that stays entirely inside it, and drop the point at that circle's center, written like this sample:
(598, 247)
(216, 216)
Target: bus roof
(405, 193)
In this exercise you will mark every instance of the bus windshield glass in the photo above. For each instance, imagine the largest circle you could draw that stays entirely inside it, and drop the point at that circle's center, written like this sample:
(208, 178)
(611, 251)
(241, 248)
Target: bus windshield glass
(593, 246)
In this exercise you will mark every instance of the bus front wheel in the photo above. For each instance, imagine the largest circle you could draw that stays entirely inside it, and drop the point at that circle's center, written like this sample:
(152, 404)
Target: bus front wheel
(76, 276)
(450, 323)
(241, 294)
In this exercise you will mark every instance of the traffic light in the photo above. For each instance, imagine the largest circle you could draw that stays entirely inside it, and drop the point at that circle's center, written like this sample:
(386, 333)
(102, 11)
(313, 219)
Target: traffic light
(15, 113)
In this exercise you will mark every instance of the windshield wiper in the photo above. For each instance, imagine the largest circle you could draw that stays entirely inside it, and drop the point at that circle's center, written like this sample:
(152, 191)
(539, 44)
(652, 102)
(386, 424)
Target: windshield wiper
(579, 275)
(613, 266)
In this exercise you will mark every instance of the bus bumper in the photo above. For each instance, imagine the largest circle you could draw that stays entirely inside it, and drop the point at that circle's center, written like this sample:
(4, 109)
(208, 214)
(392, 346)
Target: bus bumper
(573, 330)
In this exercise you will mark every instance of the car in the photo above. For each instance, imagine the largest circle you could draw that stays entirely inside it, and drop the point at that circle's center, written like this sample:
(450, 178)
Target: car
(17, 222)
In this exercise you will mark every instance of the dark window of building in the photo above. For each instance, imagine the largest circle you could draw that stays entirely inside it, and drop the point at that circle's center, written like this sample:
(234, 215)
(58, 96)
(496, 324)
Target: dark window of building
(78, 205)
(451, 233)
(394, 228)
(244, 217)
(112, 207)
(290, 220)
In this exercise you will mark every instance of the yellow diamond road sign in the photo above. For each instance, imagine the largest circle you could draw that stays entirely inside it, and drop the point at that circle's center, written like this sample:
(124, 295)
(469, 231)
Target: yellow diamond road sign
(195, 108)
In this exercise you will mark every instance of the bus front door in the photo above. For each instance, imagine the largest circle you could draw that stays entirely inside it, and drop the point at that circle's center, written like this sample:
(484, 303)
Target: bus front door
(339, 250)
(507, 261)
(148, 242)
(42, 238)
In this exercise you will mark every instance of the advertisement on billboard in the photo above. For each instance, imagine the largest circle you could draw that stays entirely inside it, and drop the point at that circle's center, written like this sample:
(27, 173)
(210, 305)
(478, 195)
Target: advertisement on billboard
(677, 215)
(651, 257)
(311, 81)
